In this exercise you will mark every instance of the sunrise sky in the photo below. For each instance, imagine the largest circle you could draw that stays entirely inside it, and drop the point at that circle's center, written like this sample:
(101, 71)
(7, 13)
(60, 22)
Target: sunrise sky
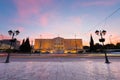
(64, 18)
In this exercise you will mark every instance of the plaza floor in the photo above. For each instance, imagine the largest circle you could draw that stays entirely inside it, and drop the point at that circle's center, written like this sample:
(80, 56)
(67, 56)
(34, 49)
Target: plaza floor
(60, 69)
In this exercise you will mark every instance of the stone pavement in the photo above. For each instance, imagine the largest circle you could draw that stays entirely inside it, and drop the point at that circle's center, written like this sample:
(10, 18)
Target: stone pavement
(61, 69)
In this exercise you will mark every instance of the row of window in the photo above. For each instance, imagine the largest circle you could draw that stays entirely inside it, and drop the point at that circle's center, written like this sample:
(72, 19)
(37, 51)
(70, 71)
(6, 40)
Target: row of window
(58, 43)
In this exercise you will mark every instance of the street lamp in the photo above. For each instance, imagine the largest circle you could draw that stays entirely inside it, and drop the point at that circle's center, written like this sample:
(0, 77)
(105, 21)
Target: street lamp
(102, 40)
(12, 34)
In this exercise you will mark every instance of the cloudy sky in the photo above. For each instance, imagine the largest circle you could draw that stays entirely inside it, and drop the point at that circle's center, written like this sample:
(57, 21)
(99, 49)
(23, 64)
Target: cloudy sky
(64, 18)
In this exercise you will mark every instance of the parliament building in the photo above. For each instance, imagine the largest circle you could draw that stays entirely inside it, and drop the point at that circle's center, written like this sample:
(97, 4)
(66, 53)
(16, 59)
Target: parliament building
(58, 45)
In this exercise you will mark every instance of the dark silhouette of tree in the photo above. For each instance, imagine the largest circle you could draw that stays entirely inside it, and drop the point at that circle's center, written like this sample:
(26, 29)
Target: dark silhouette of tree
(109, 46)
(86, 47)
(118, 46)
(98, 47)
(22, 46)
(92, 48)
(25, 46)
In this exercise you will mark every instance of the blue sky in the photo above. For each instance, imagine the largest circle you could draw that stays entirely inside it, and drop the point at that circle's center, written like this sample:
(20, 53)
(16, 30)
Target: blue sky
(65, 18)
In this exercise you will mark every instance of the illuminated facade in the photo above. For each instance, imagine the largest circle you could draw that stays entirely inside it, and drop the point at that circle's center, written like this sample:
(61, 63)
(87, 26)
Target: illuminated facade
(58, 45)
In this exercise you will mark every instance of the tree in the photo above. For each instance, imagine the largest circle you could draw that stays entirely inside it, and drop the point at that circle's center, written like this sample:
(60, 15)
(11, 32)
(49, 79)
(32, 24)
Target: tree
(22, 46)
(109, 46)
(118, 46)
(98, 47)
(91, 44)
(25, 46)
(86, 47)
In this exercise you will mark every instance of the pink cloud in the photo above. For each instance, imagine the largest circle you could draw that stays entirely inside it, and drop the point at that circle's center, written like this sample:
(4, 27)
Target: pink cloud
(44, 20)
(30, 7)
(27, 9)
(47, 35)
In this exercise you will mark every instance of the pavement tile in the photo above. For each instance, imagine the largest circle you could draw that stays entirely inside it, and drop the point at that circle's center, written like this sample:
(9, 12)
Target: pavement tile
(61, 69)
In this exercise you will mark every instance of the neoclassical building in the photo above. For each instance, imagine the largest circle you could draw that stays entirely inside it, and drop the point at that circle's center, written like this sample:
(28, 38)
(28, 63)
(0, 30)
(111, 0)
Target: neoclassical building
(58, 45)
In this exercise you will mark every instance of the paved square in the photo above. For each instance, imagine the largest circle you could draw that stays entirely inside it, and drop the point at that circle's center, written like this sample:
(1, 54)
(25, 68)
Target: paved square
(61, 69)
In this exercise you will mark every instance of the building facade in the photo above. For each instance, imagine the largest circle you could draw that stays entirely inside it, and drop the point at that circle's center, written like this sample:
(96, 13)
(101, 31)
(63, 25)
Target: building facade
(58, 45)
(5, 44)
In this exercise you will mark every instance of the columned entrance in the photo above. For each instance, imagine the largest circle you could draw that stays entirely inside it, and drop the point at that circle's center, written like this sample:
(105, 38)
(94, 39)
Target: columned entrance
(58, 45)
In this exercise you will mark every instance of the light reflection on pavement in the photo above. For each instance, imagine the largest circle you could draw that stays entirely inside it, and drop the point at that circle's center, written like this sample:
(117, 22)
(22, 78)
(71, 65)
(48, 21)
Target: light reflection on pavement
(60, 69)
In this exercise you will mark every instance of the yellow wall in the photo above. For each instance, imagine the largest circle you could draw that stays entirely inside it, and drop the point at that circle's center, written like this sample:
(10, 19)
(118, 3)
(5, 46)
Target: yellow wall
(58, 44)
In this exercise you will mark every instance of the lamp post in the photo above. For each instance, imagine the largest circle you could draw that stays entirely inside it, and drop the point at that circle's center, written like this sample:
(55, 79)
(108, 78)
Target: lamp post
(12, 34)
(102, 40)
